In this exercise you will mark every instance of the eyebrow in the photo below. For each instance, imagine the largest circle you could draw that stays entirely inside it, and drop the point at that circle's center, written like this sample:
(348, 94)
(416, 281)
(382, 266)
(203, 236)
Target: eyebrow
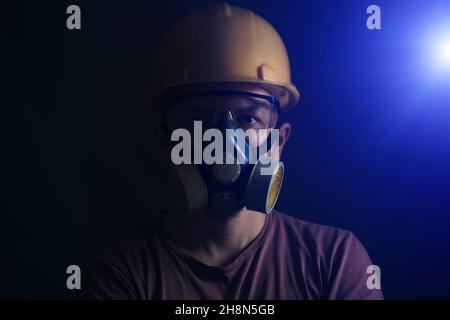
(270, 98)
(253, 107)
(243, 105)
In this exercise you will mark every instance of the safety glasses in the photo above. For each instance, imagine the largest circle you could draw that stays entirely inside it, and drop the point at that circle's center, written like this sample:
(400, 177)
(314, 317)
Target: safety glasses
(246, 110)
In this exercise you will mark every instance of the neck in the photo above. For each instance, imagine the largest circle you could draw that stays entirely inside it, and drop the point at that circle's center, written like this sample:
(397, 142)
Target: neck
(214, 240)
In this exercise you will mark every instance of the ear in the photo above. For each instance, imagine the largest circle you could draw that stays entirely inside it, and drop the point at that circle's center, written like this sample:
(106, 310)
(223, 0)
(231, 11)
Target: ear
(284, 134)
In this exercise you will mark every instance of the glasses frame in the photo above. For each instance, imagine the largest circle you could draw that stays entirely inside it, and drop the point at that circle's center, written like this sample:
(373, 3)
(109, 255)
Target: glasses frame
(270, 98)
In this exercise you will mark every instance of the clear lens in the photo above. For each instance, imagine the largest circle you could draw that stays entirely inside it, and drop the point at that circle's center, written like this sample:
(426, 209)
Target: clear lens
(245, 112)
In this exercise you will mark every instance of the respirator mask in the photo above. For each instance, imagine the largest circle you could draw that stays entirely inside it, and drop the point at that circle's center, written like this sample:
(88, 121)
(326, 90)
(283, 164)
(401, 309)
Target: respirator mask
(222, 144)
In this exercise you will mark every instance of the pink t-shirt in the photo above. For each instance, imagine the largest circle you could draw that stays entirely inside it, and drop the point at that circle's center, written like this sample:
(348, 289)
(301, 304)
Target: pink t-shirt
(289, 259)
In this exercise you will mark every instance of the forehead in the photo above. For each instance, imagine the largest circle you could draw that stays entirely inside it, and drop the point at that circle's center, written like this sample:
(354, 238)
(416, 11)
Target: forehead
(236, 101)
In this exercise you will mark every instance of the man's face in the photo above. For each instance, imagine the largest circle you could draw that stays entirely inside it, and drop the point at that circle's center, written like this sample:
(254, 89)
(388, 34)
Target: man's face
(255, 115)
(228, 157)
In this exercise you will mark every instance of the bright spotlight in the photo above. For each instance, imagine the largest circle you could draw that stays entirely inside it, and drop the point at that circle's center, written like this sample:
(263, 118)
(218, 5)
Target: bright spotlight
(445, 50)
(442, 52)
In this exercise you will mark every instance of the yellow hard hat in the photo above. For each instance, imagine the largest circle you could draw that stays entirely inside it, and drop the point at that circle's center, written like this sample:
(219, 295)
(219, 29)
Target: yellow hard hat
(224, 44)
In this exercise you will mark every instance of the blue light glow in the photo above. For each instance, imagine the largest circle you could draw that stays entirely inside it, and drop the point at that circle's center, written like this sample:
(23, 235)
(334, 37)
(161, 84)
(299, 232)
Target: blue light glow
(442, 51)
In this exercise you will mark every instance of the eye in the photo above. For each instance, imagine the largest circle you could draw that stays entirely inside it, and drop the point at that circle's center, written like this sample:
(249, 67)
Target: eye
(247, 119)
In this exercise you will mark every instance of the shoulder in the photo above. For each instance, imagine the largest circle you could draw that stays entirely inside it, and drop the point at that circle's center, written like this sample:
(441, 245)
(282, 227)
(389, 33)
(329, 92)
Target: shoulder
(117, 267)
(338, 254)
(311, 234)
(130, 244)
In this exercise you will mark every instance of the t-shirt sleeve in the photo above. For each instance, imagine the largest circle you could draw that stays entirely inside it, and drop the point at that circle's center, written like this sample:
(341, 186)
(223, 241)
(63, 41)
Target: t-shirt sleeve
(107, 280)
(352, 275)
(113, 273)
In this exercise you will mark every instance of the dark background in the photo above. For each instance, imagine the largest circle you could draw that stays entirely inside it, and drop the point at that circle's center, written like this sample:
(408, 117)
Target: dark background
(370, 150)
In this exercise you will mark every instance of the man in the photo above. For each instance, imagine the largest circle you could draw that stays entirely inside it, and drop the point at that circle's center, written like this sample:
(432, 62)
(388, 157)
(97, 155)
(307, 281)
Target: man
(224, 68)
